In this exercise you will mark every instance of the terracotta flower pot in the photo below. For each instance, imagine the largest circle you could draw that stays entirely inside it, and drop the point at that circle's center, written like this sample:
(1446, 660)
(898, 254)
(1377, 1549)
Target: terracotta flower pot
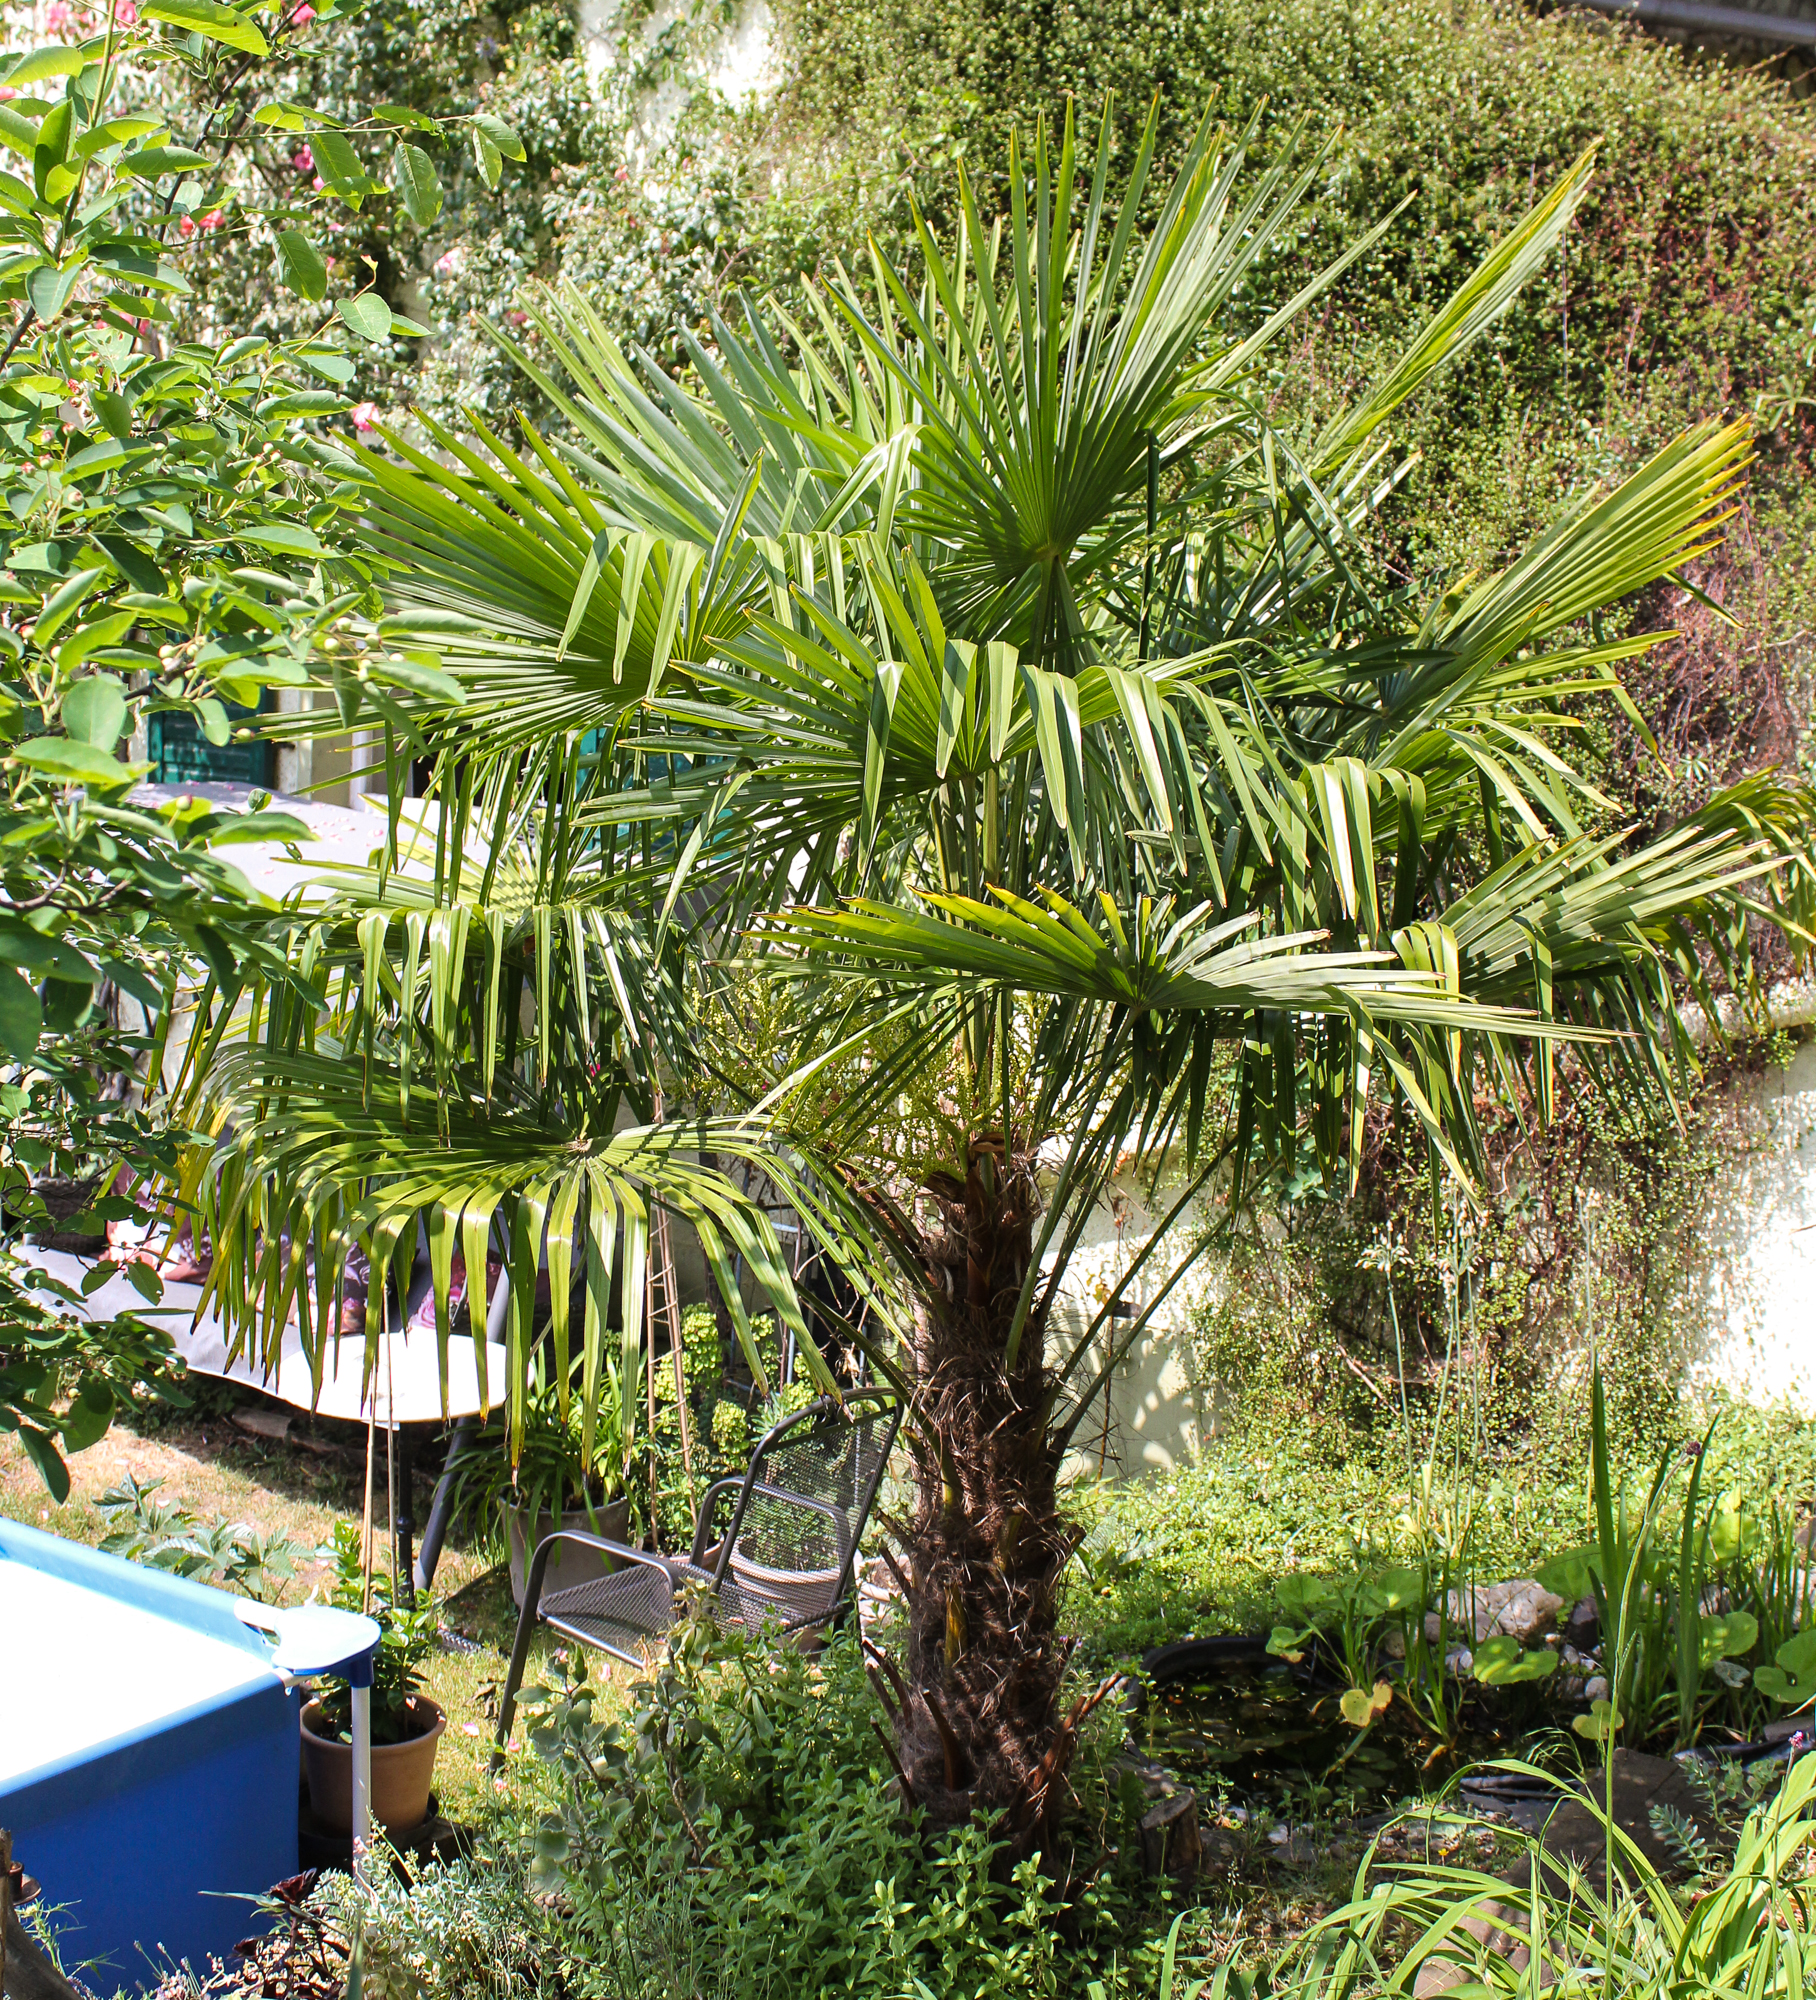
(402, 1773)
(569, 1562)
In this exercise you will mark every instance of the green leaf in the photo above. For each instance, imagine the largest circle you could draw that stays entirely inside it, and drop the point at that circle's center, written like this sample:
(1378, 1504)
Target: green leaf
(1362, 1707)
(1401, 1590)
(95, 711)
(76, 763)
(211, 20)
(401, 114)
(419, 678)
(413, 173)
(89, 1415)
(150, 163)
(1791, 1679)
(1569, 1575)
(114, 132)
(42, 65)
(301, 403)
(1286, 1644)
(304, 272)
(282, 536)
(143, 1279)
(21, 1017)
(368, 316)
(50, 287)
(114, 411)
(133, 563)
(215, 725)
(19, 134)
(1727, 1636)
(339, 166)
(1601, 1723)
(329, 363)
(286, 117)
(51, 1469)
(236, 827)
(503, 136)
(1502, 1662)
(53, 142)
(490, 160)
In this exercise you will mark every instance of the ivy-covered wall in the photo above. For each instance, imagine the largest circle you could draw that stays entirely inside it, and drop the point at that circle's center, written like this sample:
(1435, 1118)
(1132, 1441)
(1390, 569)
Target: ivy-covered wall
(1687, 288)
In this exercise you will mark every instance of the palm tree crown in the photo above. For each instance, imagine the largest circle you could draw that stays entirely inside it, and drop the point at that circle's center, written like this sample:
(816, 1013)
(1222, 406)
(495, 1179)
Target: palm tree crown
(975, 656)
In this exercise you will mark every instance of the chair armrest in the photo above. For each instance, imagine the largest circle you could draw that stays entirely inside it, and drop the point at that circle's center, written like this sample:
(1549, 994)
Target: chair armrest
(703, 1525)
(624, 1554)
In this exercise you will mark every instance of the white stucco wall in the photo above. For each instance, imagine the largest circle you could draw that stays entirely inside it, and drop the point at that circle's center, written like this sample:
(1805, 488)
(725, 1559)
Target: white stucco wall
(1748, 1317)
(1753, 1301)
(741, 66)
(1155, 1414)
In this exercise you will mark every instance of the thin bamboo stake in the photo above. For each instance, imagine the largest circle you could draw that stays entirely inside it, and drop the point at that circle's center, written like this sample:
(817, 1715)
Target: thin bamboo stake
(649, 1382)
(365, 1532)
(391, 1467)
(662, 1268)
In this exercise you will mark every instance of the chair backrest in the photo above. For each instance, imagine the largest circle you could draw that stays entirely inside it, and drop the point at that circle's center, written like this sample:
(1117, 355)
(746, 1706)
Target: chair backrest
(832, 1457)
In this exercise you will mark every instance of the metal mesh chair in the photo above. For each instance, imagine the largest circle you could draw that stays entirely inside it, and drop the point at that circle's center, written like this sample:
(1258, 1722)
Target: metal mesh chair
(784, 1559)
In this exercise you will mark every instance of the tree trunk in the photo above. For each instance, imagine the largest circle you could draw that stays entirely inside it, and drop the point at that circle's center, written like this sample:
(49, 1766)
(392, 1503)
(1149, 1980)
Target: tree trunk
(980, 1727)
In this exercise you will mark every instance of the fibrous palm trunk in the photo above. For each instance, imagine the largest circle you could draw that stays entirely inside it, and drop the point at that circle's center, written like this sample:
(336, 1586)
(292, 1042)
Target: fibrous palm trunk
(978, 1725)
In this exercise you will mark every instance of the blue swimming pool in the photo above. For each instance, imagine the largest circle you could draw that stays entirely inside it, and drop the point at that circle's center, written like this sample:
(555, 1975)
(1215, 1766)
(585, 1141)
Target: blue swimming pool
(148, 1754)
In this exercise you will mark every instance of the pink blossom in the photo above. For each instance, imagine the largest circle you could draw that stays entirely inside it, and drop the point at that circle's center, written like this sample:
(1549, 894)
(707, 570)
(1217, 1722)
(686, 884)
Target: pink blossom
(212, 222)
(449, 263)
(186, 226)
(6, 91)
(300, 17)
(59, 17)
(518, 318)
(303, 160)
(126, 15)
(623, 173)
(365, 416)
(318, 183)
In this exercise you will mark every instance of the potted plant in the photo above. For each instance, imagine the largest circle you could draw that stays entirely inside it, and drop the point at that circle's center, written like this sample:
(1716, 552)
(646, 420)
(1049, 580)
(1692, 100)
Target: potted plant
(555, 1481)
(406, 1724)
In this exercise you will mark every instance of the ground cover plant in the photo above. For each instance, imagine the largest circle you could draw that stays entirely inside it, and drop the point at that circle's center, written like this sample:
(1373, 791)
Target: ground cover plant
(788, 1789)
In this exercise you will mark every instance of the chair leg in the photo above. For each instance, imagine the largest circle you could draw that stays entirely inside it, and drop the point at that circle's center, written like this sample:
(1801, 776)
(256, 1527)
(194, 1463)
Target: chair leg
(520, 1651)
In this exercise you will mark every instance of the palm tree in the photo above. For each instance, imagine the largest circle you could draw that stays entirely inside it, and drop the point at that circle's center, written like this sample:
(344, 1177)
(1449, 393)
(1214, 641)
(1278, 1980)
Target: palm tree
(975, 667)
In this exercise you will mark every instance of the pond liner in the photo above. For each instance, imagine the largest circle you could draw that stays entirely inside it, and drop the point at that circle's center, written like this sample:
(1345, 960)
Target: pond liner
(1188, 1659)
(1182, 1659)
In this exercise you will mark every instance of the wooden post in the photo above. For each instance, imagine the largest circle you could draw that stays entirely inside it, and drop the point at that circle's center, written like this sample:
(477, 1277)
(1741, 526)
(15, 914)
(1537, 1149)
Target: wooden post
(25, 1973)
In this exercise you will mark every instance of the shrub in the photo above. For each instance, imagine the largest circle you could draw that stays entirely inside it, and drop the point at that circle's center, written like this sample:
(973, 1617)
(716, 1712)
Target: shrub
(739, 1834)
(461, 1930)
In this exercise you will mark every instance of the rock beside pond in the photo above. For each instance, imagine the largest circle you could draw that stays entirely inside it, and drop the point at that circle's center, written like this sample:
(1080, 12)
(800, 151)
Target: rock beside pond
(1522, 1609)
(1576, 1833)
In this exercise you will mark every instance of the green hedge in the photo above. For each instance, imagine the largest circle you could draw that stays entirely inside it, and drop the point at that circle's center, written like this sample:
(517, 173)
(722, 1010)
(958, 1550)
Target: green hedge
(1688, 287)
